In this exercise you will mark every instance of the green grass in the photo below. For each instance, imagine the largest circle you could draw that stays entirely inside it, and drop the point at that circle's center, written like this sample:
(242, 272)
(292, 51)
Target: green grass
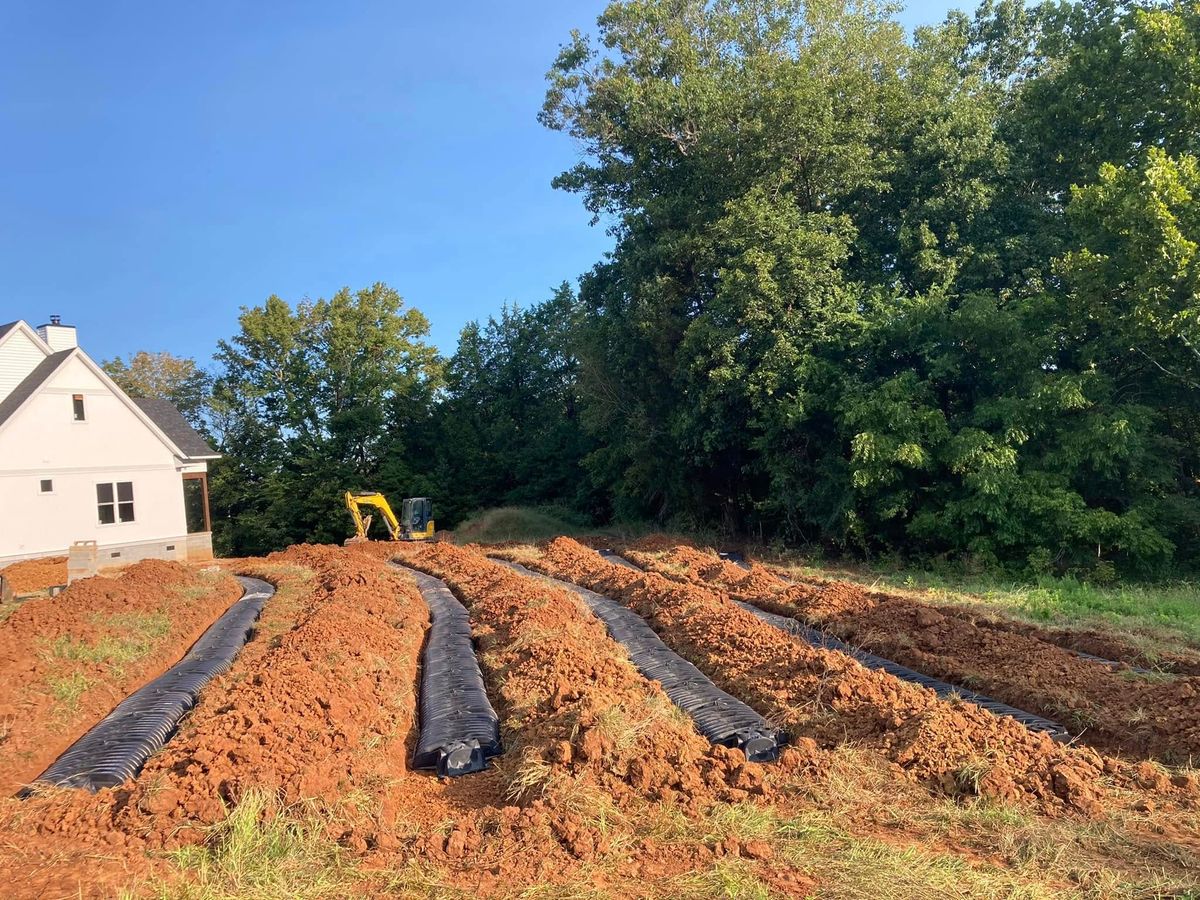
(67, 689)
(135, 636)
(1169, 611)
(518, 523)
(261, 852)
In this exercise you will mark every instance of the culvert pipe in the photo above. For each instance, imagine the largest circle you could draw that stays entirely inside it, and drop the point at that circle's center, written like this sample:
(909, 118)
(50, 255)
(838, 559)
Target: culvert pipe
(815, 637)
(116, 748)
(459, 731)
(720, 717)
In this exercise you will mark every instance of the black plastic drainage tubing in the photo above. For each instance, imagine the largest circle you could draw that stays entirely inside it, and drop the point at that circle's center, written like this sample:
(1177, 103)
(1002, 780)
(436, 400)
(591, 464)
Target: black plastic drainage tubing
(817, 638)
(721, 718)
(115, 749)
(459, 730)
(740, 561)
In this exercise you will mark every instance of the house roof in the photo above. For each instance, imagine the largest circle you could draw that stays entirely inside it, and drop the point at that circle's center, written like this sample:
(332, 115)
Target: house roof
(172, 423)
(34, 380)
(5, 329)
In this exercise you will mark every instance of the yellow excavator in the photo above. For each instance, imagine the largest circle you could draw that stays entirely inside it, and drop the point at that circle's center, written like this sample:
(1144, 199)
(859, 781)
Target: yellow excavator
(415, 522)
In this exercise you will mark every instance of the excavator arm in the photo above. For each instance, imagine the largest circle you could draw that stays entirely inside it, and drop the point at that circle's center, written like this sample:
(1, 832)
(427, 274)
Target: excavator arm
(355, 502)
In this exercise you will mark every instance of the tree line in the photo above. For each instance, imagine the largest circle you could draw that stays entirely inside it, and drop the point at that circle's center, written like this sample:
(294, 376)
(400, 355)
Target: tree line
(936, 294)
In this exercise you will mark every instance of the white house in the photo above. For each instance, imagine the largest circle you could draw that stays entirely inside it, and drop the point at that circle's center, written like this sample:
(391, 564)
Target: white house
(81, 461)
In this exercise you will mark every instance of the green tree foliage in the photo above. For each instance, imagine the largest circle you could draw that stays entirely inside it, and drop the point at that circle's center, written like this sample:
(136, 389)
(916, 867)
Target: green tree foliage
(508, 426)
(936, 295)
(311, 401)
(165, 377)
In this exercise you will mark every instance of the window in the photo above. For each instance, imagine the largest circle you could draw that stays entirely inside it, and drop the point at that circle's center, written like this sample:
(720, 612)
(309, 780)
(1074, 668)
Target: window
(114, 502)
(47, 486)
(77, 400)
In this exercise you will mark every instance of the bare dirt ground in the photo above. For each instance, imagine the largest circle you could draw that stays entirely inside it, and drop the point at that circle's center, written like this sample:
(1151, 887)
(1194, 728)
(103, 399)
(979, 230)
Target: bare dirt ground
(32, 575)
(291, 777)
(66, 661)
(1113, 709)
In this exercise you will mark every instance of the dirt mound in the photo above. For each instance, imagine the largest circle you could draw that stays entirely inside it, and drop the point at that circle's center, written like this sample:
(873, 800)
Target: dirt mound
(572, 702)
(1113, 710)
(1106, 646)
(656, 543)
(831, 698)
(32, 575)
(66, 661)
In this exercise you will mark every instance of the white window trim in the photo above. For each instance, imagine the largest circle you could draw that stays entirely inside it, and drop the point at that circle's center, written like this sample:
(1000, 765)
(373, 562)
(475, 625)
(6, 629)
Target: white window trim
(116, 505)
(48, 493)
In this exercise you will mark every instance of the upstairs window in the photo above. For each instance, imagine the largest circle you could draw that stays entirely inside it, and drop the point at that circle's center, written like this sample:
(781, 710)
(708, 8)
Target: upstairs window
(114, 502)
(47, 486)
(77, 402)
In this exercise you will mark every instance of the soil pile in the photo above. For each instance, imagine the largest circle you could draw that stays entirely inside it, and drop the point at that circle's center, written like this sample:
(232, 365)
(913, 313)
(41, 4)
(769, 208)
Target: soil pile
(831, 698)
(572, 704)
(1111, 709)
(66, 661)
(31, 575)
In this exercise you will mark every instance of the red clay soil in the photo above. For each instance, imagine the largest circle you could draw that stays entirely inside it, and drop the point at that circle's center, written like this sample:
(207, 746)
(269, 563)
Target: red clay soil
(829, 697)
(1106, 646)
(1115, 710)
(1100, 643)
(59, 643)
(574, 710)
(32, 575)
(318, 704)
(319, 708)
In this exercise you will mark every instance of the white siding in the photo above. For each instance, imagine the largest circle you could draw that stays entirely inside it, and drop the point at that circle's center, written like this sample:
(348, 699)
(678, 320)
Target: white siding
(113, 444)
(18, 357)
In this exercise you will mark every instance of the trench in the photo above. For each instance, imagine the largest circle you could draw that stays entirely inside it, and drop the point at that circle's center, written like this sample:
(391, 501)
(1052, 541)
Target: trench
(815, 637)
(116, 748)
(740, 561)
(458, 729)
(718, 716)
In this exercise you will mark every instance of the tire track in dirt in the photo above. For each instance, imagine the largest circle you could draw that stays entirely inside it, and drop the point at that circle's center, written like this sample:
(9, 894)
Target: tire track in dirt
(830, 698)
(1111, 709)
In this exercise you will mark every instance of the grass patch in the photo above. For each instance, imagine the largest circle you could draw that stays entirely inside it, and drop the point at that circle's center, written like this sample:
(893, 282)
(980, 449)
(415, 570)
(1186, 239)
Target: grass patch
(1164, 614)
(518, 523)
(262, 852)
(67, 689)
(136, 635)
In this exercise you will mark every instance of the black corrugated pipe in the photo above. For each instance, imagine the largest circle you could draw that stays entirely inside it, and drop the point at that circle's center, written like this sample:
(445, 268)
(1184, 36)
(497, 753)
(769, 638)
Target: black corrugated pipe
(116, 748)
(459, 730)
(718, 716)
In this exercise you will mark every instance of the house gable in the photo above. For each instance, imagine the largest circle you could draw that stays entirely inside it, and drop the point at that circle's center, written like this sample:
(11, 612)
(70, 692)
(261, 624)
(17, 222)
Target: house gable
(21, 351)
(43, 432)
(177, 437)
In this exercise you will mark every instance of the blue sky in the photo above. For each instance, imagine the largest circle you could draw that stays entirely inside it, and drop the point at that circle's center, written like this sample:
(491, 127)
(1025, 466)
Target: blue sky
(164, 164)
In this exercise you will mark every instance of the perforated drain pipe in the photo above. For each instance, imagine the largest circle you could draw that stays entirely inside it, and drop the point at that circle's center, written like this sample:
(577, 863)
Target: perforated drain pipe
(740, 561)
(119, 744)
(817, 638)
(459, 730)
(721, 718)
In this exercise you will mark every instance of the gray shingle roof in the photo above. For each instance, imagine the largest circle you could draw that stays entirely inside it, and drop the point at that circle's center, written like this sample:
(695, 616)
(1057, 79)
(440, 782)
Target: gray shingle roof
(5, 329)
(172, 423)
(34, 380)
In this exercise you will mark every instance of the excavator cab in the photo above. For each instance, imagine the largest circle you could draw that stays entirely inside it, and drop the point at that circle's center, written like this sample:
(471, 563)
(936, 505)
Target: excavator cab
(416, 519)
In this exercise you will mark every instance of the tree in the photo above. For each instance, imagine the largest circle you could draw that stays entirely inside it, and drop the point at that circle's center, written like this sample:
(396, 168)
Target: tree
(166, 377)
(854, 296)
(509, 425)
(314, 401)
